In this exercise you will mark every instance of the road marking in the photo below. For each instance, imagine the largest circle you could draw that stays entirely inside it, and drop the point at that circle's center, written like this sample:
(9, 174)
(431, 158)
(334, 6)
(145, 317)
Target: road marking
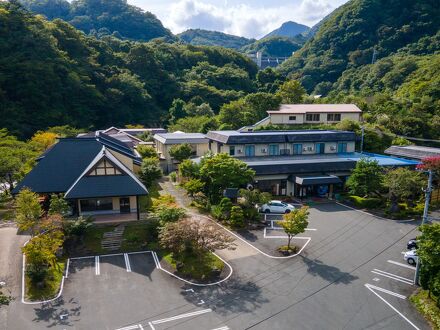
(79, 258)
(127, 262)
(201, 302)
(141, 327)
(130, 327)
(111, 255)
(222, 328)
(401, 265)
(376, 279)
(370, 287)
(189, 290)
(97, 270)
(151, 326)
(67, 268)
(392, 276)
(182, 316)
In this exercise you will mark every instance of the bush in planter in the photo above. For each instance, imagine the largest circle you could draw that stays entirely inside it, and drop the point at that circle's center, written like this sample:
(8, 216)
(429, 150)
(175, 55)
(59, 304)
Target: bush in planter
(367, 203)
(37, 273)
(237, 217)
(286, 250)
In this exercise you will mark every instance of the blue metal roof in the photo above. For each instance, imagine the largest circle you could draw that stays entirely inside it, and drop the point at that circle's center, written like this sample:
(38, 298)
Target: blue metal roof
(106, 186)
(382, 160)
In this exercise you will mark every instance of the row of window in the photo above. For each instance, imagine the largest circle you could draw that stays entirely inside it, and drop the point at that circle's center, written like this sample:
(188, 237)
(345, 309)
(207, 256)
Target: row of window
(274, 149)
(317, 117)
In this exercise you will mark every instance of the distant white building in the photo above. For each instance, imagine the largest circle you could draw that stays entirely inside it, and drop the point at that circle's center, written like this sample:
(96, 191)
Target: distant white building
(297, 114)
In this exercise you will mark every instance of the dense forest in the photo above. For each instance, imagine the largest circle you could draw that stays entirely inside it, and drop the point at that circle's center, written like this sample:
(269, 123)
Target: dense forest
(52, 74)
(199, 37)
(102, 17)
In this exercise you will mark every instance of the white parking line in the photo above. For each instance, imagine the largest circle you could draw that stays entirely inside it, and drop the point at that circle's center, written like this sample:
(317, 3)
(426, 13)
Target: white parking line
(67, 268)
(97, 270)
(127, 262)
(130, 327)
(401, 265)
(393, 277)
(370, 287)
(151, 326)
(222, 328)
(181, 316)
(141, 327)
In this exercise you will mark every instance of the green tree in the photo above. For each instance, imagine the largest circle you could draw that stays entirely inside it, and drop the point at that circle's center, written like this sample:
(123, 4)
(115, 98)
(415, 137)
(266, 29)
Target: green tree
(167, 214)
(222, 171)
(189, 170)
(291, 92)
(194, 186)
(225, 208)
(28, 211)
(180, 152)
(58, 205)
(403, 184)
(147, 151)
(250, 198)
(150, 171)
(366, 178)
(429, 253)
(177, 110)
(295, 223)
(237, 217)
(197, 124)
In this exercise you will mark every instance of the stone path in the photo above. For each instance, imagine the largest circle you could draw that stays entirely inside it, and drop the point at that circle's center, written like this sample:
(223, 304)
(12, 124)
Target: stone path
(112, 240)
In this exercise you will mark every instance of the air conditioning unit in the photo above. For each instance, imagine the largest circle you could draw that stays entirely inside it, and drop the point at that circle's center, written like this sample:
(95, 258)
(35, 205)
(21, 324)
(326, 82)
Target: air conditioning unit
(263, 150)
(332, 148)
(308, 149)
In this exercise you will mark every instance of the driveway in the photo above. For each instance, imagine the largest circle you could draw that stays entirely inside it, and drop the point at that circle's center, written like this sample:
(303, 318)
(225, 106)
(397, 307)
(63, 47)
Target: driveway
(350, 276)
(10, 268)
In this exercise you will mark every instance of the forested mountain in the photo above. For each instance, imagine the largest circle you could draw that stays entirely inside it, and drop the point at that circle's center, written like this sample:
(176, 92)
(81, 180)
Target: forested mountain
(199, 37)
(288, 29)
(275, 46)
(52, 74)
(102, 17)
(353, 32)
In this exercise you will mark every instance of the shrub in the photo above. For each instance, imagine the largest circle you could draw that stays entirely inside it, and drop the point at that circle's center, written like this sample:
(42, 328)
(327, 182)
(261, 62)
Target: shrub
(169, 214)
(194, 186)
(37, 273)
(150, 171)
(225, 206)
(163, 200)
(173, 176)
(237, 217)
(147, 151)
(366, 203)
(216, 212)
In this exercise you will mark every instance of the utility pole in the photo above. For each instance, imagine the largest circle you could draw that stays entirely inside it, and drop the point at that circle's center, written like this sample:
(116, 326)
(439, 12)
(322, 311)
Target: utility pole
(424, 219)
(362, 139)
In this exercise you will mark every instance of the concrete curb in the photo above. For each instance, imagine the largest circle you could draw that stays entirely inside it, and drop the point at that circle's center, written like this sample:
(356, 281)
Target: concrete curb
(373, 215)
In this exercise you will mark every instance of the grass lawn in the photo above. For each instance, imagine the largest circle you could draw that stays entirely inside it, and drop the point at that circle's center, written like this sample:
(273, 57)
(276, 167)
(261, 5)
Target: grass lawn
(195, 269)
(93, 237)
(139, 236)
(427, 307)
(52, 284)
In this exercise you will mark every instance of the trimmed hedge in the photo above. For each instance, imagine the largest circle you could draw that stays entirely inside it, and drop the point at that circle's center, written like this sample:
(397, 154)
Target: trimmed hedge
(365, 203)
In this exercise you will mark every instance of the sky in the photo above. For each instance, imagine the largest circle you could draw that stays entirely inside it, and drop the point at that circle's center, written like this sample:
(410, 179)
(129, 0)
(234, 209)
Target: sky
(246, 18)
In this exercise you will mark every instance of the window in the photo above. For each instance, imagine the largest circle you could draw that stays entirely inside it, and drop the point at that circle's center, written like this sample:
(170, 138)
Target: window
(232, 150)
(293, 118)
(284, 152)
(105, 167)
(333, 117)
(297, 149)
(320, 148)
(249, 151)
(312, 117)
(342, 147)
(273, 149)
(99, 204)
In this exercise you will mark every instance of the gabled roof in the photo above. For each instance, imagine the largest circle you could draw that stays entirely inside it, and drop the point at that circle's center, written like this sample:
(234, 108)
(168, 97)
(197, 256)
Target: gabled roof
(119, 146)
(321, 108)
(126, 184)
(61, 166)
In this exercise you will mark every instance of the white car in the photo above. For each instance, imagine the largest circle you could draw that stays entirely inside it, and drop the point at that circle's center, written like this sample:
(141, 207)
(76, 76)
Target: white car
(411, 257)
(277, 207)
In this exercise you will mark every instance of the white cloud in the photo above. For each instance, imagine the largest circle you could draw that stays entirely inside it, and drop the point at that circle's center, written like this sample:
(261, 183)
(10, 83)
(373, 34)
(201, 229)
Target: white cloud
(248, 18)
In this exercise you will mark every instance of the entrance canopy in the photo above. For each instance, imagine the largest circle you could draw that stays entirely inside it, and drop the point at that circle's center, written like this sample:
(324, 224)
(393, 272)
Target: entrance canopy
(317, 180)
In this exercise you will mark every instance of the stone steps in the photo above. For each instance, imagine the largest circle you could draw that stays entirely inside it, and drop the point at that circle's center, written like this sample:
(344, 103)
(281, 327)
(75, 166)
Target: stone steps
(112, 240)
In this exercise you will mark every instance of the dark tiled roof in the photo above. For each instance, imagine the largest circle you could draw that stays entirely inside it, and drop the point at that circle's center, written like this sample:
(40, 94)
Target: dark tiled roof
(61, 166)
(414, 152)
(116, 145)
(265, 137)
(106, 186)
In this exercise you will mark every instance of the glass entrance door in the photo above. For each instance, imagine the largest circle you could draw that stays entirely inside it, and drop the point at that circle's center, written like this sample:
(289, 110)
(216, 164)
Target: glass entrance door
(124, 205)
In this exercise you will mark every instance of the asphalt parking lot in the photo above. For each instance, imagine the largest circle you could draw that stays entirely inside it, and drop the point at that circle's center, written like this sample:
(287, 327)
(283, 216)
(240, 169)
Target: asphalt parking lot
(350, 276)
